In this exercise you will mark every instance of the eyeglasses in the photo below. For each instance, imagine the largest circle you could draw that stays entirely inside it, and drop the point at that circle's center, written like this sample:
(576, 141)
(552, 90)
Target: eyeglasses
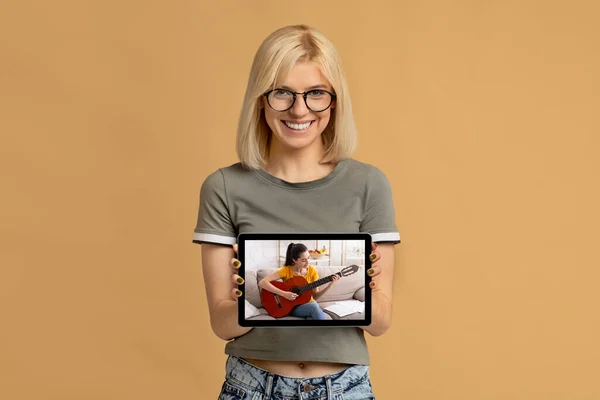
(316, 100)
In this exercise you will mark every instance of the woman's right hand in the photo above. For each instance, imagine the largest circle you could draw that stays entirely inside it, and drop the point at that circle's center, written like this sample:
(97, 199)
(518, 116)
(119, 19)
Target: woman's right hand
(236, 279)
(290, 296)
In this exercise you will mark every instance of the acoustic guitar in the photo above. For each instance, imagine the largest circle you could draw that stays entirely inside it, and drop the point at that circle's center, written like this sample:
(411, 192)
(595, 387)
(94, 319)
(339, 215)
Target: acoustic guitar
(278, 306)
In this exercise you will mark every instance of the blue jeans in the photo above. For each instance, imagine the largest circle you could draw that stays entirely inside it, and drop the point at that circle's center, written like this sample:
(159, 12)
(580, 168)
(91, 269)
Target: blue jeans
(309, 310)
(244, 381)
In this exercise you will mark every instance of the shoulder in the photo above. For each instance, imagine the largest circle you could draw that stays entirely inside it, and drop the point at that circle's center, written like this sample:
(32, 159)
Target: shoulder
(236, 170)
(220, 175)
(371, 175)
(218, 180)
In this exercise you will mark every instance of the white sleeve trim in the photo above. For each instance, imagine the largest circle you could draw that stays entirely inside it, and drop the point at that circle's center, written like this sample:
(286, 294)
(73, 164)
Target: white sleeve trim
(212, 238)
(386, 237)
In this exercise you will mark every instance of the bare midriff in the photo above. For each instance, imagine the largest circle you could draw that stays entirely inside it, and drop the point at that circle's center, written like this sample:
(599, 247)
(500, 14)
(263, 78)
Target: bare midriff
(298, 369)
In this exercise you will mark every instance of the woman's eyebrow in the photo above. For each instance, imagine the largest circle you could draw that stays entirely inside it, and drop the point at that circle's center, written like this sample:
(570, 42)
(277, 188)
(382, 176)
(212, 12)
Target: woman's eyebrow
(321, 86)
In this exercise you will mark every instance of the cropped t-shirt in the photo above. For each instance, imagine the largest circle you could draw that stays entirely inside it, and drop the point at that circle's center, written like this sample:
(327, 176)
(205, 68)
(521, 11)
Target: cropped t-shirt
(354, 197)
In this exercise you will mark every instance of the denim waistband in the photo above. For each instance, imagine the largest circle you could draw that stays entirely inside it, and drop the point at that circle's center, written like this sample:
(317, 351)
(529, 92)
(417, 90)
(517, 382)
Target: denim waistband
(255, 379)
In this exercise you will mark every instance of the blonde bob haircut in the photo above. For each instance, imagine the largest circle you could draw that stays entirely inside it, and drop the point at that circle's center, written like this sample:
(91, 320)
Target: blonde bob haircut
(275, 57)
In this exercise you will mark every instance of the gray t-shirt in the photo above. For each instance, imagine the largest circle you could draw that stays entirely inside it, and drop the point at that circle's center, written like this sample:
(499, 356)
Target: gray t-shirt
(354, 197)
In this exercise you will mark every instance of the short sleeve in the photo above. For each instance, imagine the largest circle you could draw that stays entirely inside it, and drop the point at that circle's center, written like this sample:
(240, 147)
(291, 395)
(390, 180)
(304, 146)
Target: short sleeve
(283, 273)
(214, 223)
(379, 217)
(314, 274)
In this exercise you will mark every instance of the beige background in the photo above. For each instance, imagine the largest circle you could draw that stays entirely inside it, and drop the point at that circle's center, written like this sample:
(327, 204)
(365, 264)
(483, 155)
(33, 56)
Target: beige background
(483, 114)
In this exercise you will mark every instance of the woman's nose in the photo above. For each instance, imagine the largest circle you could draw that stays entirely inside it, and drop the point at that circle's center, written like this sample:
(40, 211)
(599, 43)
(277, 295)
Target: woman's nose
(299, 108)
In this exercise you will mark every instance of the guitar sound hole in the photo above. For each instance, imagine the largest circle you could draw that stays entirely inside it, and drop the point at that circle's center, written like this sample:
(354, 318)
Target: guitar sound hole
(295, 290)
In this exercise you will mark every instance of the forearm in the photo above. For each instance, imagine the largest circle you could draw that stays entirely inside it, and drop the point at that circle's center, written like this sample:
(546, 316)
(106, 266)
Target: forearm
(223, 309)
(318, 293)
(224, 320)
(381, 314)
(269, 286)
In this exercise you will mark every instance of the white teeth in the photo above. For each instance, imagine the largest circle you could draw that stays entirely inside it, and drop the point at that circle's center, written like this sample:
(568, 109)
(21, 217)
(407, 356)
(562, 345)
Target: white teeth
(298, 127)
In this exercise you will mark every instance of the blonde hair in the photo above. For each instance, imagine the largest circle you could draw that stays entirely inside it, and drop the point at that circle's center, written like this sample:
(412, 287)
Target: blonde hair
(275, 57)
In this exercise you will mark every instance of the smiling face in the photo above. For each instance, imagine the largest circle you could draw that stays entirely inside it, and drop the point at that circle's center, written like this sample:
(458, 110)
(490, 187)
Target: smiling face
(302, 260)
(299, 128)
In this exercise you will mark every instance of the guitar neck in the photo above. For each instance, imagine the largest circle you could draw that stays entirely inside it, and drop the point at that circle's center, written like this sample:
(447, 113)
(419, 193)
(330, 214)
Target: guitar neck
(317, 283)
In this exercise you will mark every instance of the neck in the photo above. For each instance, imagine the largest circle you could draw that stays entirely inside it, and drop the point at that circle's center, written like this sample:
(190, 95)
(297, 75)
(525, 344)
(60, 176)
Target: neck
(298, 165)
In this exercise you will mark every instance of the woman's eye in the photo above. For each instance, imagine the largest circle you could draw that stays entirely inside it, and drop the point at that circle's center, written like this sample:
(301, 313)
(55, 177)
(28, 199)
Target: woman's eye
(281, 93)
(316, 93)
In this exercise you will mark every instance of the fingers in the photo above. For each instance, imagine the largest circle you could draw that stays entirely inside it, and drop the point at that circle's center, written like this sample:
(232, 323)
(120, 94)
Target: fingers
(375, 256)
(235, 278)
(374, 270)
(235, 293)
(235, 248)
(291, 296)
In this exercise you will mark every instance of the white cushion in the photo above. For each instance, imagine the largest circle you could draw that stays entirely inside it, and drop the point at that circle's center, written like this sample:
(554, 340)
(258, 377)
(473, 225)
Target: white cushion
(360, 294)
(345, 287)
(250, 310)
(251, 291)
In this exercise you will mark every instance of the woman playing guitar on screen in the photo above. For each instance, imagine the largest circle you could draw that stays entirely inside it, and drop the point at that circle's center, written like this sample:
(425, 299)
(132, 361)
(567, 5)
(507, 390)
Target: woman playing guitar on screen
(296, 264)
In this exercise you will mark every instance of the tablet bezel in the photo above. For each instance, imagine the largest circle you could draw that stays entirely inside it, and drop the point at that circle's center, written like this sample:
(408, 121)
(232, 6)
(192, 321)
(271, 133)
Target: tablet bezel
(243, 237)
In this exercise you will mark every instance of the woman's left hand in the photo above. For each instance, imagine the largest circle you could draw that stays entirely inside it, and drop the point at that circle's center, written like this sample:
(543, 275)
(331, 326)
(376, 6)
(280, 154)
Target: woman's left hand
(375, 269)
(334, 279)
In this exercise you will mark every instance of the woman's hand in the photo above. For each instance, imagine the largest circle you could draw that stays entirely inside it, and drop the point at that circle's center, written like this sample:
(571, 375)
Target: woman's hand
(334, 279)
(237, 280)
(375, 269)
(381, 285)
(290, 296)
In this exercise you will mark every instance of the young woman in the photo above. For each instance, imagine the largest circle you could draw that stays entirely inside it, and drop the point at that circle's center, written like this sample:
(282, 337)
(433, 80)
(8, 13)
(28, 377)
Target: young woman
(295, 137)
(296, 264)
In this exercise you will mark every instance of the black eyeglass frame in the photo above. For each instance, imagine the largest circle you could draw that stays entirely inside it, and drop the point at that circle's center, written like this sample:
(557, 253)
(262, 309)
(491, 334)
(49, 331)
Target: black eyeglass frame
(304, 94)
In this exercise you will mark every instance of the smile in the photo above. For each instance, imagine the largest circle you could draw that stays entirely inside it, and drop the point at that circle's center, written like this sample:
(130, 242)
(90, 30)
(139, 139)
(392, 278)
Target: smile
(298, 127)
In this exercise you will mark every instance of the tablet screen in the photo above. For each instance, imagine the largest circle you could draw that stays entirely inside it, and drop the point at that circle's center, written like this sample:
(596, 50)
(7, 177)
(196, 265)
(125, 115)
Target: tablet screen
(308, 279)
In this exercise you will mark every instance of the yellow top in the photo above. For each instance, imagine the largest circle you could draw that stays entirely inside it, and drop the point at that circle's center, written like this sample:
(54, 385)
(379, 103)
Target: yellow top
(287, 273)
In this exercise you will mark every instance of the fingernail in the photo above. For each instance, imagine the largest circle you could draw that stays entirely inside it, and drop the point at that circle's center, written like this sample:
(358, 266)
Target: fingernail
(239, 293)
(236, 263)
(373, 256)
(370, 272)
(240, 280)
(372, 284)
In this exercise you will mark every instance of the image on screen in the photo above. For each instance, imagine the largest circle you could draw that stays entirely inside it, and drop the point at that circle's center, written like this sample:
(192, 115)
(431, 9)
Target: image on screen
(327, 280)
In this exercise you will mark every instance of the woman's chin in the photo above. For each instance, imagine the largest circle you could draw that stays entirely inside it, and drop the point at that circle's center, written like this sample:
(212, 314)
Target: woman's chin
(297, 143)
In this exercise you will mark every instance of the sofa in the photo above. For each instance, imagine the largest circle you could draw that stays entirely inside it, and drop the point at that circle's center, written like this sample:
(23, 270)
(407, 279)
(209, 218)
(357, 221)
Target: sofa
(348, 288)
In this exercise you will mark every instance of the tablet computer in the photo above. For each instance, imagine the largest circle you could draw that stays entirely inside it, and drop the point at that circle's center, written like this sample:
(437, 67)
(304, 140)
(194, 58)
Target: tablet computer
(304, 279)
